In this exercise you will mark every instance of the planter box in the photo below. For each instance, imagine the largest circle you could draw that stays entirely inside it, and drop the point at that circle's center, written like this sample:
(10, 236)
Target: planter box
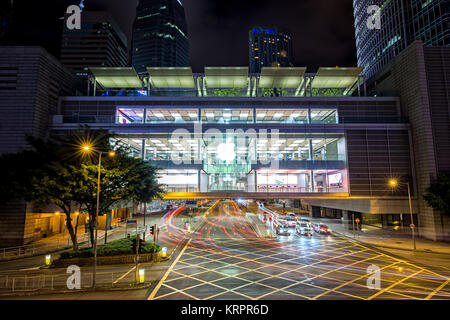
(111, 260)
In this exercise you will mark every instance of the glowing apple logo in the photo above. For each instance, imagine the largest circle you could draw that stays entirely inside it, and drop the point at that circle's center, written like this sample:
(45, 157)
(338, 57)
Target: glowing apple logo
(225, 151)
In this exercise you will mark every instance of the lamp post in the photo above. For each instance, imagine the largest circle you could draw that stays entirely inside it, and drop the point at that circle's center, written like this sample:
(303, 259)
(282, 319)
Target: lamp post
(394, 183)
(100, 153)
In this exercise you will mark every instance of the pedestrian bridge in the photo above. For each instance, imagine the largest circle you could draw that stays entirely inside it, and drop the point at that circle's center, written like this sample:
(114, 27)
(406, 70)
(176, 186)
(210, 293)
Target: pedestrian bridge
(254, 195)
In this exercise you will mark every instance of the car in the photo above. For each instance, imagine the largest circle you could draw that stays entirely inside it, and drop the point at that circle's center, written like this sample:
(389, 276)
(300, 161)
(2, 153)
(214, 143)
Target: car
(283, 231)
(306, 220)
(304, 228)
(291, 214)
(291, 222)
(322, 228)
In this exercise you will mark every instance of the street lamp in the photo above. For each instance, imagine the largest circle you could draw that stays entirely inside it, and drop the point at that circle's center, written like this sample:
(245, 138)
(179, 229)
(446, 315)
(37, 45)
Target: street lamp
(393, 183)
(87, 148)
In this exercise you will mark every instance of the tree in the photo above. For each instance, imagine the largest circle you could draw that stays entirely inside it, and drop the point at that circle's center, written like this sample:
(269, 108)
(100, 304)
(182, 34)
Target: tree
(438, 194)
(122, 179)
(56, 171)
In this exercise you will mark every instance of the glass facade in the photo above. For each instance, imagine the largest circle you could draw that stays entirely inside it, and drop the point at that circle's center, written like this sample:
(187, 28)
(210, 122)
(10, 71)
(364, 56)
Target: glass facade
(244, 161)
(295, 115)
(160, 37)
(402, 22)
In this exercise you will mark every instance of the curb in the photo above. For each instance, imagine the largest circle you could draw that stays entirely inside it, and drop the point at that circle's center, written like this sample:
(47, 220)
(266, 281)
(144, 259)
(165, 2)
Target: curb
(389, 247)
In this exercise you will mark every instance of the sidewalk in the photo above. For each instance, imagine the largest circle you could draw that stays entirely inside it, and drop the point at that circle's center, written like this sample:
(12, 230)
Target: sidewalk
(386, 239)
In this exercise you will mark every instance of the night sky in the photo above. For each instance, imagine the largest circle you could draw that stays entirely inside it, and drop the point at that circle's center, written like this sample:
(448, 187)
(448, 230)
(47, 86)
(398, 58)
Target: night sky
(323, 33)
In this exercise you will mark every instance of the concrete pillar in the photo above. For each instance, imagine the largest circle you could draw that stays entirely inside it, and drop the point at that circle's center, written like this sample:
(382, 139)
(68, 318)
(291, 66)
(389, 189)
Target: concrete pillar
(347, 220)
(315, 212)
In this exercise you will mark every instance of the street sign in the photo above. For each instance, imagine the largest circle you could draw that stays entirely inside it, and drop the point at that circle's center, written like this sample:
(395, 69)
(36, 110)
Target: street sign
(131, 221)
(357, 220)
(412, 226)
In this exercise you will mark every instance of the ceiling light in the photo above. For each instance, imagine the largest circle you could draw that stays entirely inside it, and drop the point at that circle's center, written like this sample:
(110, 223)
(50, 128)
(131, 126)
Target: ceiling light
(278, 115)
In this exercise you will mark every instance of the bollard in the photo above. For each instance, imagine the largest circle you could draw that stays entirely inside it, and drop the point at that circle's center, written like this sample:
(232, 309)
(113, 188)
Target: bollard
(13, 284)
(48, 260)
(142, 276)
(52, 282)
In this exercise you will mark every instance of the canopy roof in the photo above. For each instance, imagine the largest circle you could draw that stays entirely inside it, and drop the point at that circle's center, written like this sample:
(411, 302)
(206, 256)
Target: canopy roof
(343, 78)
(117, 77)
(226, 77)
(286, 78)
(181, 78)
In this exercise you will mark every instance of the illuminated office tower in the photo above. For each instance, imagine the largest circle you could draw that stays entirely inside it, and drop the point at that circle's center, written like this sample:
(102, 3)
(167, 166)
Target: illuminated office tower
(269, 47)
(160, 36)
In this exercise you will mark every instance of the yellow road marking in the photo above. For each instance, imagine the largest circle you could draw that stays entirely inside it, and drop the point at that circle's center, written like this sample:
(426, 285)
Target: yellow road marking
(158, 286)
(175, 290)
(393, 285)
(437, 289)
(125, 275)
(351, 281)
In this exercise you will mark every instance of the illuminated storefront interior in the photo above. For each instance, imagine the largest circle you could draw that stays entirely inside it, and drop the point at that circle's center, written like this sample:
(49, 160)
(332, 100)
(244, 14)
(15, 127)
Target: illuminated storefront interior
(246, 162)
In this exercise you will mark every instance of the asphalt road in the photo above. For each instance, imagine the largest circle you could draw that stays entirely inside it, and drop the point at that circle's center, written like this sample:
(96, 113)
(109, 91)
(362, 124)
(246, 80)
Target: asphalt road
(225, 258)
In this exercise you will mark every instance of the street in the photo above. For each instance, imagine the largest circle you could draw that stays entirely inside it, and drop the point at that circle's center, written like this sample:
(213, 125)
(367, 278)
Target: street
(227, 256)
(226, 259)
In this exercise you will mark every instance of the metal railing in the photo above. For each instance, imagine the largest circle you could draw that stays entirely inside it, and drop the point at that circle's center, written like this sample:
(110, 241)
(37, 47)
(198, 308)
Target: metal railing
(58, 282)
(50, 246)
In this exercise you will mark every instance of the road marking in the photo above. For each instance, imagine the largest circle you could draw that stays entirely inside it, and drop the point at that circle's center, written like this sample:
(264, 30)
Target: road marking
(123, 276)
(158, 286)
(29, 269)
(437, 290)
(393, 285)
(351, 281)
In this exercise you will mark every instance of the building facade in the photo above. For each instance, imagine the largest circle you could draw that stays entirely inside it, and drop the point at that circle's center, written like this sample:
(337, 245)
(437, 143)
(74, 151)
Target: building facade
(160, 37)
(269, 47)
(99, 43)
(31, 80)
(226, 134)
(421, 77)
(400, 23)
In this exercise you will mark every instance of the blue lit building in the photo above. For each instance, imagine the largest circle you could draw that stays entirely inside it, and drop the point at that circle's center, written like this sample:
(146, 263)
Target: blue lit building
(160, 37)
(269, 47)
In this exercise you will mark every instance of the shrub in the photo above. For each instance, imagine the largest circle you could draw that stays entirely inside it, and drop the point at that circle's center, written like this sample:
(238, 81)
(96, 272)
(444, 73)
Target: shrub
(114, 248)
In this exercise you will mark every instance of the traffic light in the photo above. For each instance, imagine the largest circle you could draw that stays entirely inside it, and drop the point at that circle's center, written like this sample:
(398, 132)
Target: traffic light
(152, 230)
(134, 245)
(141, 245)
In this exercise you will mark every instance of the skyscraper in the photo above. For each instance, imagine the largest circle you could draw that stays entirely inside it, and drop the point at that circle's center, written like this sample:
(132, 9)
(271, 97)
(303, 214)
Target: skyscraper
(269, 47)
(402, 22)
(160, 37)
(99, 43)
